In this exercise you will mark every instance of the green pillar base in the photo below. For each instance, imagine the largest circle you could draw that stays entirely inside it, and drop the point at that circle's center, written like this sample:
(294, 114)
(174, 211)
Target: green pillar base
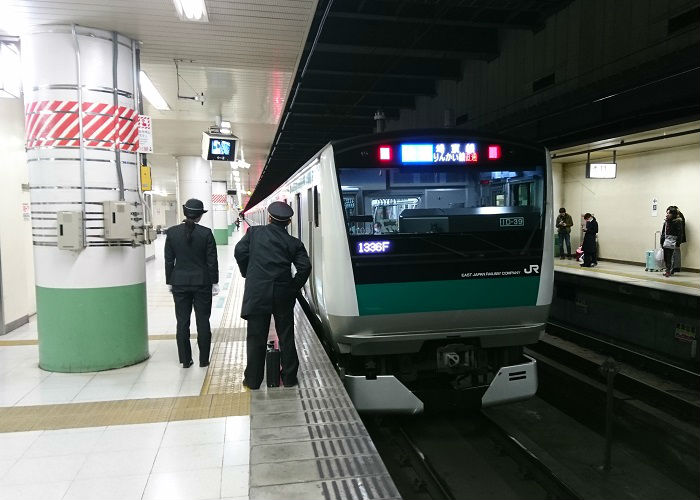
(91, 329)
(221, 236)
(230, 229)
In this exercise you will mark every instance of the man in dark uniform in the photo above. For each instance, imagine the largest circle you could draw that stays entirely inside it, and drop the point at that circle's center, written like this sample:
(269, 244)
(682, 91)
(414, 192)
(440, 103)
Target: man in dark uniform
(192, 274)
(265, 256)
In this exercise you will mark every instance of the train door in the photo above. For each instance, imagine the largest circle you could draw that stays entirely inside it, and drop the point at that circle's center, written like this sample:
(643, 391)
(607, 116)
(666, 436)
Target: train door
(311, 211)
(298, 212)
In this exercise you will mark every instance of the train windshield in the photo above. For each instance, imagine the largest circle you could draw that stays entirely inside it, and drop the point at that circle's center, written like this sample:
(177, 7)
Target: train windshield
(441, 199)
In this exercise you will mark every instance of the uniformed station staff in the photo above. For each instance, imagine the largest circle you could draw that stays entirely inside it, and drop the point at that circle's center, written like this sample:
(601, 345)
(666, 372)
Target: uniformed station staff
(192, 275)
(265, 256)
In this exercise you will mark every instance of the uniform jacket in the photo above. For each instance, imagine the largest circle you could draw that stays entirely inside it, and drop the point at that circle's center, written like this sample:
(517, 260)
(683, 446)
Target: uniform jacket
(566, 218)
(193, 263)
(673, 227)
(265, 256)
(589, 238)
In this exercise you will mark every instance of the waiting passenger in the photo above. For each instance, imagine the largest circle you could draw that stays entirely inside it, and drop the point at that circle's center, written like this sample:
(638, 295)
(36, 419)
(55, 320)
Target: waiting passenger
(265, 256)
(677, 251)
(192, 275)
(378, 228)
(238, 223)
(671, 233)
(590, 259)
(564, 223)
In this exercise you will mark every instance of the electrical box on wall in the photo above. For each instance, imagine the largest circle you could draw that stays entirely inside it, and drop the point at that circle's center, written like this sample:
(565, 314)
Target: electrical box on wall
(69, 227)
(117, 220)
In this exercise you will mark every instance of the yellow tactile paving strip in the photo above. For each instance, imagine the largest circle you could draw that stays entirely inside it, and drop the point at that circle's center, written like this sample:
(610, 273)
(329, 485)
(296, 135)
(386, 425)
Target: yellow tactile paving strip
(225, 374)
(222, 392)
(133, 411)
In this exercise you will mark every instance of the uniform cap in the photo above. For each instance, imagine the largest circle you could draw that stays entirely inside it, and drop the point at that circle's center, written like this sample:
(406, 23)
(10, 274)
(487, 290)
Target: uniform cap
(280, 211)
(194, 205)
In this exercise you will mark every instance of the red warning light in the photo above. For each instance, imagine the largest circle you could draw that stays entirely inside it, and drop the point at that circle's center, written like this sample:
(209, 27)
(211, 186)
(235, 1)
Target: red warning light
(494, 152)
(385, 153)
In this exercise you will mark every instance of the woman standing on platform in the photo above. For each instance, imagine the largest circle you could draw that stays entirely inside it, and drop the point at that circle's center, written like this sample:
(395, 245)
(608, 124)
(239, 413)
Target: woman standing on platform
(590, 259)
(671, 233)
(192, 275)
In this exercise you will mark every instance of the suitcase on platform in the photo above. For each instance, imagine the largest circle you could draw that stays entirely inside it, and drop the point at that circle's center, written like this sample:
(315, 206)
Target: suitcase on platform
(650, 262)
(273, 359)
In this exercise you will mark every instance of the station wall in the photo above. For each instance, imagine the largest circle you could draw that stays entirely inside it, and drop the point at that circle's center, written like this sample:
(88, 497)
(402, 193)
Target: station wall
(623, 206)
(16, 257)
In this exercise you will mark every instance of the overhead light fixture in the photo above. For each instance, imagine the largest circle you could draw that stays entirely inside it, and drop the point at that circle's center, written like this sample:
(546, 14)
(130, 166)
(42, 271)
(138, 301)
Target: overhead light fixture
(191, 10)
(225, 125)
(151, 93)
(10, 71)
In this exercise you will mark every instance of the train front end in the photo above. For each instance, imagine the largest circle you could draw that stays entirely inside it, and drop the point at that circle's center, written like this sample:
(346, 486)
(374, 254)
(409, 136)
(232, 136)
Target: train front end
(449, 241)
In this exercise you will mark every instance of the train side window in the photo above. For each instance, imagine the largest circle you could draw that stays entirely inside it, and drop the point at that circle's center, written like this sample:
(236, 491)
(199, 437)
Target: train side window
(316, 214)
(298, 199)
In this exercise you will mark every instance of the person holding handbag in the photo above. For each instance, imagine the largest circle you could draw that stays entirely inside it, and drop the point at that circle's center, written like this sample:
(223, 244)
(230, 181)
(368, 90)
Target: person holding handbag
(671, 233)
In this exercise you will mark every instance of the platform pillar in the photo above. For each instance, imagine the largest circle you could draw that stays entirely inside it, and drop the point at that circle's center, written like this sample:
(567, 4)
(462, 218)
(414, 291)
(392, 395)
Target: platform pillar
(218, 199)
(194, 181)
(81, 125)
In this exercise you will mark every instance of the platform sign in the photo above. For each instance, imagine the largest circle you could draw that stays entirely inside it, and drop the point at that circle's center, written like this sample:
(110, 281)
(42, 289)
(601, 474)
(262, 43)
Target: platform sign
(145, 134)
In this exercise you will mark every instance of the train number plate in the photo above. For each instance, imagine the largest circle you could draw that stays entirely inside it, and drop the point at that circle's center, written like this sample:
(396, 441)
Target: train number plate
(512, 221)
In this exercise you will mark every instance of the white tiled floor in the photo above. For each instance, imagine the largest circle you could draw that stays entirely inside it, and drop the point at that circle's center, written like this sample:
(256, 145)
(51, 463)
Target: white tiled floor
(192, 459)
(22, 383)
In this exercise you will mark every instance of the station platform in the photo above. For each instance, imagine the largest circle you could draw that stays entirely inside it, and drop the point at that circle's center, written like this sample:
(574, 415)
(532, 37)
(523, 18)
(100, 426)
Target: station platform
(157, 431)
(685, 282)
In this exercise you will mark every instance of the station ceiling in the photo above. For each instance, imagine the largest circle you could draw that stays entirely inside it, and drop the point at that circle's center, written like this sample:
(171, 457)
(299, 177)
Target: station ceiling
(361, 56)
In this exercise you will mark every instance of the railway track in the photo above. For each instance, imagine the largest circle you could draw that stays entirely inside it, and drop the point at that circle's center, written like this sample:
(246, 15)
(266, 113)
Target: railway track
(443, 457)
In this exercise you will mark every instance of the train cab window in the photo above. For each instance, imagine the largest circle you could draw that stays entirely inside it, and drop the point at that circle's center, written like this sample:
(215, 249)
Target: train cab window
(438, 199)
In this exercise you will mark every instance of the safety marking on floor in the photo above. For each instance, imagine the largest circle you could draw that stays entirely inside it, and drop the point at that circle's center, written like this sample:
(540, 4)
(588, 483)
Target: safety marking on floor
(165, 336)
(629, 275)
(129, 411)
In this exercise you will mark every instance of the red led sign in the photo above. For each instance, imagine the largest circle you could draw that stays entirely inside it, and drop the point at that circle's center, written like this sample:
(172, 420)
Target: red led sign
(385, 153)
(494, 152)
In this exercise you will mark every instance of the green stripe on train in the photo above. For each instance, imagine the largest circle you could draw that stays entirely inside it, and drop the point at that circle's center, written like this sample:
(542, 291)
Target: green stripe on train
(424, 296)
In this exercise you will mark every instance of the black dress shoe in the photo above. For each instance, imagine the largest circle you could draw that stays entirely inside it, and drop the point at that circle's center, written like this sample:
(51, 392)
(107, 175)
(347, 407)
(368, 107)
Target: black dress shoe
(202, 364)
(187, 364)
(247, 386)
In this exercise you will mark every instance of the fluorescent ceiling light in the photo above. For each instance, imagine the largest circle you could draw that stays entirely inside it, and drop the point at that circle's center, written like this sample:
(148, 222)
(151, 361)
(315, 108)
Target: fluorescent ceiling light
(151, 93)
(10, 71)
(191, 10)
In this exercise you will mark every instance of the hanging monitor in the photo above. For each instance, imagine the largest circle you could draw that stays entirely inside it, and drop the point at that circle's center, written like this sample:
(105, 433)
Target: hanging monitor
(219, 147)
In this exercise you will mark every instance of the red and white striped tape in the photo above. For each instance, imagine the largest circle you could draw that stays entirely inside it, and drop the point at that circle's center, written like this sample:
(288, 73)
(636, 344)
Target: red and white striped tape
(218, 198)
(56, 123)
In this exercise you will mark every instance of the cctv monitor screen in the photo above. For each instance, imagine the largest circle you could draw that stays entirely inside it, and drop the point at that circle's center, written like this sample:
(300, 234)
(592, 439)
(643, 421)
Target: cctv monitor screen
(221, 149)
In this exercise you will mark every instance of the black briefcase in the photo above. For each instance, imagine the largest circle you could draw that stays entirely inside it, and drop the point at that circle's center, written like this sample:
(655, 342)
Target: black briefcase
(272, 367)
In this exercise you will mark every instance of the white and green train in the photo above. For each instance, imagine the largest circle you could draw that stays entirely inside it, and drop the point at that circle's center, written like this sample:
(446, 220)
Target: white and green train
(432, 262)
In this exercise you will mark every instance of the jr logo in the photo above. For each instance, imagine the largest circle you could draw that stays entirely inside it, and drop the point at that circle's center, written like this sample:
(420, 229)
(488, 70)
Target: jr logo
(534, 268)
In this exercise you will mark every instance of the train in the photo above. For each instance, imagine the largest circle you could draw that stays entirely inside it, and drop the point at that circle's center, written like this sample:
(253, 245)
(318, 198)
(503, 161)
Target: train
(432, 263)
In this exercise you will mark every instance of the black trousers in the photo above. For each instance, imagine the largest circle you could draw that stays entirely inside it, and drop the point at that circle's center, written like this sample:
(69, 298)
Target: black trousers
(669, 260)
(258, 328)
(185, 298)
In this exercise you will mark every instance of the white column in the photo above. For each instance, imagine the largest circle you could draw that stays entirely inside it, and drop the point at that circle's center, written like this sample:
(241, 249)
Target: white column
(81, 91)
(194, 181)
(218, 196)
